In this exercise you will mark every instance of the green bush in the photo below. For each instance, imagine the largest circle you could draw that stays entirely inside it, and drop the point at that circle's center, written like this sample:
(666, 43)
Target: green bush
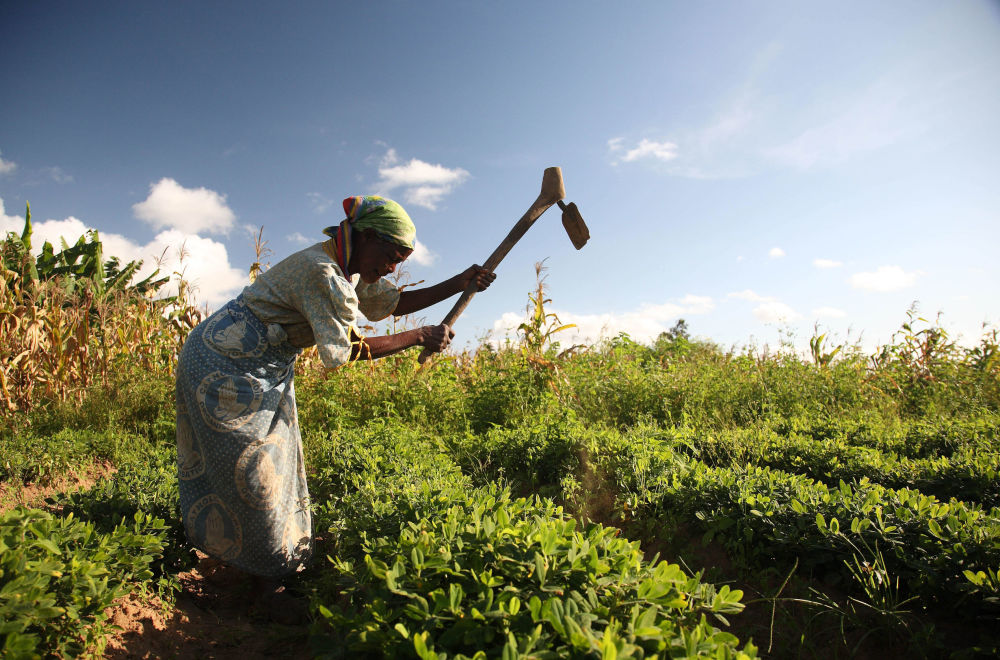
(494, 577)
(392, 387)
(369, 481)
(533, 457)
(58, 574)
(140, 486)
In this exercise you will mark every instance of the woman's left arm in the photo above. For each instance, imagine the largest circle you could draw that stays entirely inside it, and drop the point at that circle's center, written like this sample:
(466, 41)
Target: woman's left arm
(414, 301)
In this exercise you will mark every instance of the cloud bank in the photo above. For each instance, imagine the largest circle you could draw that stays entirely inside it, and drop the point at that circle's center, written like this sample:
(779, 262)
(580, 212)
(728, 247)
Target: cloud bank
(876, 118)
(320, 202)
(768, 309)
(300, 239)
(422, 255)
(645, 149)
(753, 126)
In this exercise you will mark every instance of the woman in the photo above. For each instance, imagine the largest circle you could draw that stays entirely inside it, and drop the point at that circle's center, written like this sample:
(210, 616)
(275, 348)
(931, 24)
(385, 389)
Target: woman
(243, 494)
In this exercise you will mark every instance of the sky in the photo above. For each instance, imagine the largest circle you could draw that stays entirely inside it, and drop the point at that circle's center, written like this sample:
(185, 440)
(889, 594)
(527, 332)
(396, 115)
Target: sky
(763, 170)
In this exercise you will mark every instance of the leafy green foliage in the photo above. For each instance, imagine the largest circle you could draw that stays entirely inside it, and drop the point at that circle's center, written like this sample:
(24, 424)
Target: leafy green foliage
(141, 486)
(950, 460)
(75, 266)
(491, 576)
(58, 574)
(877, 475)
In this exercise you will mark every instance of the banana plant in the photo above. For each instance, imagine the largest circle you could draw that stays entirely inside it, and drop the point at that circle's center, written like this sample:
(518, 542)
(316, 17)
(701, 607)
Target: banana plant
(78, 265)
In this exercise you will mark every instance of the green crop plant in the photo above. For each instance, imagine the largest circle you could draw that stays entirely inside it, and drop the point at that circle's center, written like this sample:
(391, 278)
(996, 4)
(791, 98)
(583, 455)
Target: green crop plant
(74, 267)
(541, 325)
(68, 319)
(816, 349)
(437, 485)
(491, 576)
(58, 574)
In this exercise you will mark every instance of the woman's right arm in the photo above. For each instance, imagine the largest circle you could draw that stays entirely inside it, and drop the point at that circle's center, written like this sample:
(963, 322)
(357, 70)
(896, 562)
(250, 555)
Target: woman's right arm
(433, 337)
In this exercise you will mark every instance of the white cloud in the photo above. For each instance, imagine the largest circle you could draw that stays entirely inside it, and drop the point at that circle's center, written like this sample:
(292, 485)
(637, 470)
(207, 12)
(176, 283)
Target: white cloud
(251, 230)
(423, 184)
(298, 237)
(6, 166)
(827, 263)
(320, 203)
(724, 143)
(390, 158)
(663, 151)
(775, 312)
(829, 312)
(754, 126)
(776, 253)
(189, 210)
(506, 325)
(422, 254)
(206, 265)
(884, 279)
(643, 324)
(426, 196)
(693, 304)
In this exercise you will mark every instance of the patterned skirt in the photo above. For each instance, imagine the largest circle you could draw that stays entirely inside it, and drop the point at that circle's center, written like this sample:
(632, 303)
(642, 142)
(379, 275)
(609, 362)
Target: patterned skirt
(243, 493)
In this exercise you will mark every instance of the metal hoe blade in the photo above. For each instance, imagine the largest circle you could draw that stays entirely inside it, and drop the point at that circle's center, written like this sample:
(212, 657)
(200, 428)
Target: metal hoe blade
(574, 224)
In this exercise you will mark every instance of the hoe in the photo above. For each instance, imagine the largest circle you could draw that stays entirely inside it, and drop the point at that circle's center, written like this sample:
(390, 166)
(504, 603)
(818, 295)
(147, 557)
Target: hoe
(552, 193)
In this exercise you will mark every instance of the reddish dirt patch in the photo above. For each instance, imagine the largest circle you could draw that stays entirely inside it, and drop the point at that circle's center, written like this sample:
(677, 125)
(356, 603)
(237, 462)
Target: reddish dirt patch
(212, 618)
(34, 494)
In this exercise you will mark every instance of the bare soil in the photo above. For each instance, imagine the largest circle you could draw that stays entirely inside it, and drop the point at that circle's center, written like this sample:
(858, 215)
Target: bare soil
(213, 617)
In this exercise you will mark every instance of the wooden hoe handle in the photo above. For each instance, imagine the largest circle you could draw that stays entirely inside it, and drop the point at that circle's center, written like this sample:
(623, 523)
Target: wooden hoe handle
(552, 192)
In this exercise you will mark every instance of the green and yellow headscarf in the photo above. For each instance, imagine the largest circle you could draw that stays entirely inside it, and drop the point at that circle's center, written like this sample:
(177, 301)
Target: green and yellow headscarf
(385, 216)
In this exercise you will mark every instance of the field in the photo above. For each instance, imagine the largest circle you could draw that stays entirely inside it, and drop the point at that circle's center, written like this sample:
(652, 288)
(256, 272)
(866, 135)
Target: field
(676, 499)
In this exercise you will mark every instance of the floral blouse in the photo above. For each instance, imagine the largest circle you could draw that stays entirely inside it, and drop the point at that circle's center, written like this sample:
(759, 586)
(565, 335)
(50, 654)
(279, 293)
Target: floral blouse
(314, 303)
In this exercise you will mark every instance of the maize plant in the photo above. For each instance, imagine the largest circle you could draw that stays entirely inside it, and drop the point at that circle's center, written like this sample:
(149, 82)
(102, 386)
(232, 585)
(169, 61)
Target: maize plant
(68, 319)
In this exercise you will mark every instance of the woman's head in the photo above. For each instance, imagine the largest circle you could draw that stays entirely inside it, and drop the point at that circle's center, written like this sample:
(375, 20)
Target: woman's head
(382, 235)
(385, 216)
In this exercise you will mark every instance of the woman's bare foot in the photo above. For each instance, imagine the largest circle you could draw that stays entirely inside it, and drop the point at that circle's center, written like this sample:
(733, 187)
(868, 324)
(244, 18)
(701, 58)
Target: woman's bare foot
(273, 600)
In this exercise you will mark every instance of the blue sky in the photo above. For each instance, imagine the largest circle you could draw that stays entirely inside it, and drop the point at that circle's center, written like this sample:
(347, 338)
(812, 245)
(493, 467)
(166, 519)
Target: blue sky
(755, 168)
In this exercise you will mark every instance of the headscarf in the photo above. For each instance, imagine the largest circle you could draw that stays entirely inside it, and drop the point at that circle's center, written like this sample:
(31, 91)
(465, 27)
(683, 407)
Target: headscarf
(389, 220)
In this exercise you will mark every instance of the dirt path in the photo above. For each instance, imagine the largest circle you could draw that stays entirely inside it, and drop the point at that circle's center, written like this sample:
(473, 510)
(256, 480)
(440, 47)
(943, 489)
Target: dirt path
(212, 618)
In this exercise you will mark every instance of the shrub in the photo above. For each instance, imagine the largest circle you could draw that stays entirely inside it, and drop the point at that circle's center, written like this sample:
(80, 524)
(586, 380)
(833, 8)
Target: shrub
(57, 575)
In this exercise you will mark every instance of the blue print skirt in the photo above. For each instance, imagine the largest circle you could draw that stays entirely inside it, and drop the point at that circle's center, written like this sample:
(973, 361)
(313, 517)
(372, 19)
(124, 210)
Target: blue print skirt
(243, 493)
